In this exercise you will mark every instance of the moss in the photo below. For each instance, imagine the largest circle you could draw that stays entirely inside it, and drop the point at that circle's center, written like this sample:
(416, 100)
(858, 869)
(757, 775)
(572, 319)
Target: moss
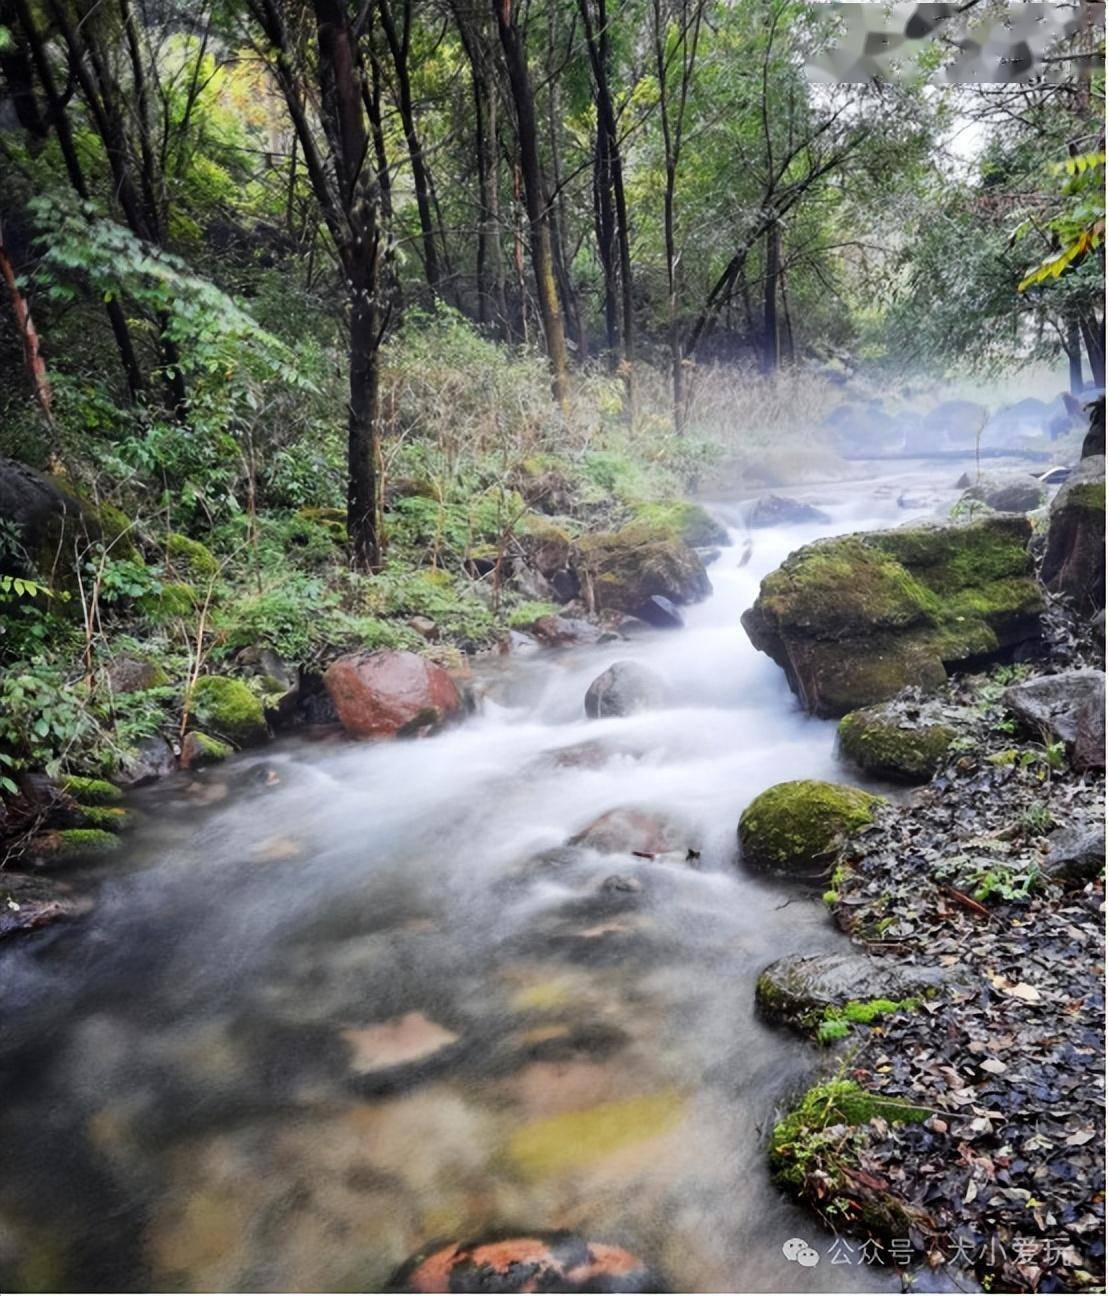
(881, 743)
(228, 707)
(797, 825)
(116, 530)
(1086, 495)
(191, 557)
(90, 791)
(332, 520)
(683, 520)
(202, 749)
(625, 568)
(174, 599)
(110, 818)
(526, 614)
(809, 1144)
(76, 843)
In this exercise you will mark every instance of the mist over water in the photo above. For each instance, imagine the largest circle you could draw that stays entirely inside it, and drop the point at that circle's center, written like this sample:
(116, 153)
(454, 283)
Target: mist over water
(189, 1103)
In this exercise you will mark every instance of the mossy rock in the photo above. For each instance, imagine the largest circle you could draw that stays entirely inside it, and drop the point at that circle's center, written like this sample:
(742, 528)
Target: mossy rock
(90, 791)
(796, 827)
(812, 1153)
(228, 708)
(191, 558)
(200, 749)
(332, 520)
(894, 743)
(1073, 563)
(684, 520)
(174, 599)
(109, 817)
(69, 844)
(855, 619)
(623, 569)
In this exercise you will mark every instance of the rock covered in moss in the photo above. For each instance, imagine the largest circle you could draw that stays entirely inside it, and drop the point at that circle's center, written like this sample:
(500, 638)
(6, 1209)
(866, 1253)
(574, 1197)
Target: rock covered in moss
(90, 791)
(683, 520)
(801, 989)
(69, 845)
(389, 694)
(1074, 560)
(620, 570)
(1009, 493)
(201, 749)
(173, 599)
(190, 558)
(855, 619)
(228, 708)
(906, 743)
(332, 520)
(128, 673)
(796, 827)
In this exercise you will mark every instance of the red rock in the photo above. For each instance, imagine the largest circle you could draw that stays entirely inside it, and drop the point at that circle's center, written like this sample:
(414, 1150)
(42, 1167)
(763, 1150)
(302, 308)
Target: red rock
(560, 1262)
(385, 694)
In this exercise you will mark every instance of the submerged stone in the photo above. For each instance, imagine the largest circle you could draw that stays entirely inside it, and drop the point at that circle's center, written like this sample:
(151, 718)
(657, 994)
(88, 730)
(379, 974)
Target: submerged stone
(796, 827)
(533, 1262)
(624, 689)
(401, 1042)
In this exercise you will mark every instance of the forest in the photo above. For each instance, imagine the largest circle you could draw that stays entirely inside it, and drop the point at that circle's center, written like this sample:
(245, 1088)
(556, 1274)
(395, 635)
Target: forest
(391, 370)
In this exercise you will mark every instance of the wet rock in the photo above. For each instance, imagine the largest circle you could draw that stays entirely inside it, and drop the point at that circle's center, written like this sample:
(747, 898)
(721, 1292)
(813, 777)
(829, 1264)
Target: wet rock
(954, 424)
(632, 830)
(903, 742)
(1051, 705)
(1014, 493)
(780, 510)
(1076, 854)
(621, 884)
(594, 754)
(632, 627)
(624, 689)
(1088, 743)
(389, 694)
(660, 613)
(29, 902)
(562, 632)
(620, 570)
(798, 988)
(538, 1261)
(855, 619)
(280, 682)
(151, 759)
(796, 827)
(1093, 445)
(399, 1043)
(200, 749)
(127, 674)
(229, 709)
(863, 428)
(424, 627)
(1074, 560)
(517, 643)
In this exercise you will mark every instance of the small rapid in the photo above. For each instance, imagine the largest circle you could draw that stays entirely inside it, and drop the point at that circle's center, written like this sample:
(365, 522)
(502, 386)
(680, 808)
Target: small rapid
(338, 1000)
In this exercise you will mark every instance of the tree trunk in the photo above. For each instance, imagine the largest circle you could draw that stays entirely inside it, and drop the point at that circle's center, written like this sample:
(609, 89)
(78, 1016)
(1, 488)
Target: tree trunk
(32, 354)
(535, 196)
(1092, 332)
(1072, 348)
(770, 340)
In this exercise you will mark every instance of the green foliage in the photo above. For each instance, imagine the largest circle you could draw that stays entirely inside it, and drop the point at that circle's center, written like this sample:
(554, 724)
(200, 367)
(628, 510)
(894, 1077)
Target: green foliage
(228, 708)
(526, 614)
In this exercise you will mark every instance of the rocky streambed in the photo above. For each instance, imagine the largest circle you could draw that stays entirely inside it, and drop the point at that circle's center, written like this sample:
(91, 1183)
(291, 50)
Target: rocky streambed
(479, 1012)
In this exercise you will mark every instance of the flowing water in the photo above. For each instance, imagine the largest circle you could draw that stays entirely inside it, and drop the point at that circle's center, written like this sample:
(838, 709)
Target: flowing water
(330, 1006)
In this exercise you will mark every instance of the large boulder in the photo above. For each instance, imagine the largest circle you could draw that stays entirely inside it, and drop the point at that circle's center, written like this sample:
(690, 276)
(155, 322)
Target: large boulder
(621, 570)
(1093, 444)
(625, 688)
(863, 428)
(1067, 707)
(800, 988)
(796, 827)
(855, 619)
(559, 632)
(1074, 560)
(1007, 493)
(388, 694)
(905, 742)
(686, 521)
(955, 424)
(54, 525)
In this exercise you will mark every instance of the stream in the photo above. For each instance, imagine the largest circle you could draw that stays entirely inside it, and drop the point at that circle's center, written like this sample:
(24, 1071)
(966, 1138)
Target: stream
(330, 1006)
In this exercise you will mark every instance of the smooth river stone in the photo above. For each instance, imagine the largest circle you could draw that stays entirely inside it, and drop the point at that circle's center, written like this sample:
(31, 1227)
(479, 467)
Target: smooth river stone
(399, 1042)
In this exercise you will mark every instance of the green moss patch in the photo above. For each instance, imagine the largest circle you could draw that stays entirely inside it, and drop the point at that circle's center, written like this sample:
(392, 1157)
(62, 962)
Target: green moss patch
(90, 791)
(889, 744)
(683, 520)
(190, 557)
(228, 708)
(796, 826)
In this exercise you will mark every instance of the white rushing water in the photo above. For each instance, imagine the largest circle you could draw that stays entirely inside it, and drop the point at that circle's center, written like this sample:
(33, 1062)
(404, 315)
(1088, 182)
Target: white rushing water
(184, 1105)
